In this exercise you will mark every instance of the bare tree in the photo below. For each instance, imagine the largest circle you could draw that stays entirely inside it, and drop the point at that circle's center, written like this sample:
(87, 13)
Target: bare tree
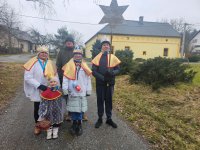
(178, 25)
(45, 6)
(8, 21)
(40, 39)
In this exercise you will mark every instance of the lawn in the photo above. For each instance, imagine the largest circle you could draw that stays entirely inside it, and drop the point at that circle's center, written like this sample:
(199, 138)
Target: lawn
(168, 118)
(11, 77)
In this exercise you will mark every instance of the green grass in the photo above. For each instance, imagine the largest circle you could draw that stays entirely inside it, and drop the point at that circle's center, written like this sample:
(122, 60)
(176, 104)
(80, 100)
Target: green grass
(168, 118)
(196, 80)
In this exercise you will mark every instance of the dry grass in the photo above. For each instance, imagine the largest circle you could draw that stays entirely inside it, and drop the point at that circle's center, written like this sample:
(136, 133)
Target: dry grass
(11, 76)
(168, 118)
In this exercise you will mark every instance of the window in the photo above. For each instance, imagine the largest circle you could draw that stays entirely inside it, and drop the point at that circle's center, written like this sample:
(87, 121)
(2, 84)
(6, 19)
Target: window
(127, 47)
(165, 52)
(144, 53)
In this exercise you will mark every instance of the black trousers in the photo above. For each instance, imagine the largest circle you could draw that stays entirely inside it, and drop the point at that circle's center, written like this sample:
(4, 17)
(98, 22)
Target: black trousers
(36, 109)
(104, 95)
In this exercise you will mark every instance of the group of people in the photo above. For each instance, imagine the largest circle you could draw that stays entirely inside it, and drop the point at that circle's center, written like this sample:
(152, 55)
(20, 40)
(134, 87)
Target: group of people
(49, 86)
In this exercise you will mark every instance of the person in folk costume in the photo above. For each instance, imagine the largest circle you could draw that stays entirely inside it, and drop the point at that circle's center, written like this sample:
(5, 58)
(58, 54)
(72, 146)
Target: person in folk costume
(63, 57)
(51, 107)
(35, 81)
(105, 66)
(77, 85)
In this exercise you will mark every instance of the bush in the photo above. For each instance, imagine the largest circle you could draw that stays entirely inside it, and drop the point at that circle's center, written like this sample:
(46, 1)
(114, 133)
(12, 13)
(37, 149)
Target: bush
(159, 72)
(140, 60)
(182, 60)
(194, 58)
(96, 48)
(126, 57)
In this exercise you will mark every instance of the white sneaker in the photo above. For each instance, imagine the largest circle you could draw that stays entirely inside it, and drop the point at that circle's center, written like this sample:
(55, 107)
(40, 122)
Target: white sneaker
(49, 133)
(55, 132)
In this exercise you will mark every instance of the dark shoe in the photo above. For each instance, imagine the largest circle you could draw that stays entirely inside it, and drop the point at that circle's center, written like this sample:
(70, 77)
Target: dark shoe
(72, 130)
(111, 123)
(98, 123)
(79, 130)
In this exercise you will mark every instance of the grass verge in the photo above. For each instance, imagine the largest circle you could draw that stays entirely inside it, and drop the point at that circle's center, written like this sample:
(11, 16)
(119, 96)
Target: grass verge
(168, 118)
(11, 76)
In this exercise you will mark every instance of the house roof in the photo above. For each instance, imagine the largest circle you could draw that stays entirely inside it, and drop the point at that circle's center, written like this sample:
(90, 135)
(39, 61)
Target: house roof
(20, 35)
(138, 28)
(195, 35)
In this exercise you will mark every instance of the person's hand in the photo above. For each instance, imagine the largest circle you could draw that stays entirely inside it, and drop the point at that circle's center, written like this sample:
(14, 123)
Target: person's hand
(109, 73)
(87, 94)
(107, 79)
(42, 87)
(65, 97)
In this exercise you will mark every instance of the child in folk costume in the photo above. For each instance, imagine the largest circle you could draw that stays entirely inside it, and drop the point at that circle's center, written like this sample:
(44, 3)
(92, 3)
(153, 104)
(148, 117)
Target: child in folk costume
(77, 85)
(51, 107)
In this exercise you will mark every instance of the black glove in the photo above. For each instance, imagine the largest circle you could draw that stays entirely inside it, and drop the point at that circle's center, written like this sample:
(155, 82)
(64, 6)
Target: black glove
(109, 73)
(108, 76)
(42, 87)
(65, 97)
(87, 94)
(107, 79)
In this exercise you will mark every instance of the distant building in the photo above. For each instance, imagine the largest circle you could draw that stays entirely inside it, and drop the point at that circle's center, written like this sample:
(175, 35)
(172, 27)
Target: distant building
(145, 39)
(19, 39)
(194, 46)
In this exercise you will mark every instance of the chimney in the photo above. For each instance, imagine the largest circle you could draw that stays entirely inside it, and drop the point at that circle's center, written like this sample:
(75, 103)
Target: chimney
(141, 20)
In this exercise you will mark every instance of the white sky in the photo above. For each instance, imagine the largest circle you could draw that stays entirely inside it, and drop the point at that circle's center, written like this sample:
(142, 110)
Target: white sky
(87, 11)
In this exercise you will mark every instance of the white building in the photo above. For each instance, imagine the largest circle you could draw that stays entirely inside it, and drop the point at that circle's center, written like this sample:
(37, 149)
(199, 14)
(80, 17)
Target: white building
(194, 45)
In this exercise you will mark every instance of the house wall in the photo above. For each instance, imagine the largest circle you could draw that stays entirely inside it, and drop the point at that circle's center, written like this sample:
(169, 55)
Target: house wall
(88, 47)
(152, 46)
(4, 39)
(15, 43)
(25, 45)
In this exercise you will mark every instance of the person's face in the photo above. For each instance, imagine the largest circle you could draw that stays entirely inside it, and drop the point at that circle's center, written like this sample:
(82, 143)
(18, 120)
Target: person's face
(105, 47)
(43, 55)
(53, 83)
(69, 44)
(78, 57)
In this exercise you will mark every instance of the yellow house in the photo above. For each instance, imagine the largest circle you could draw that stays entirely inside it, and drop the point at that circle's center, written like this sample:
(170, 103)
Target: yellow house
(145, 39)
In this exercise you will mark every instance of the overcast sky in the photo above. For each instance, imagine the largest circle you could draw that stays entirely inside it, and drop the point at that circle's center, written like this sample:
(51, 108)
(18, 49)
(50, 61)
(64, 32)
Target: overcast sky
(87, 11)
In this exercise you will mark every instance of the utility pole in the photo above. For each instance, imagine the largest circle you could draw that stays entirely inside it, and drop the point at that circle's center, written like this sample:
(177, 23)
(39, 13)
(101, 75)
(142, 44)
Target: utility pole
(183, 40)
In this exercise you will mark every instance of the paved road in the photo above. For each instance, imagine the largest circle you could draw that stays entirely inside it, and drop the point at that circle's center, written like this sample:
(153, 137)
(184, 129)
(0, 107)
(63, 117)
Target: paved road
(16, 131)
(17, 123)
(15, 58)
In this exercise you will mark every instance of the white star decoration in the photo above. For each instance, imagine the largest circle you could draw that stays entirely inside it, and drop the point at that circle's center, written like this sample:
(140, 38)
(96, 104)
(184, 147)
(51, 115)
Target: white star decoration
(113, 13)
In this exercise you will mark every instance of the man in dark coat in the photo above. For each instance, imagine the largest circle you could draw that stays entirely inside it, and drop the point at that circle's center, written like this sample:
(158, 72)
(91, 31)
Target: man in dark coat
(64, 56)
(105, 67)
